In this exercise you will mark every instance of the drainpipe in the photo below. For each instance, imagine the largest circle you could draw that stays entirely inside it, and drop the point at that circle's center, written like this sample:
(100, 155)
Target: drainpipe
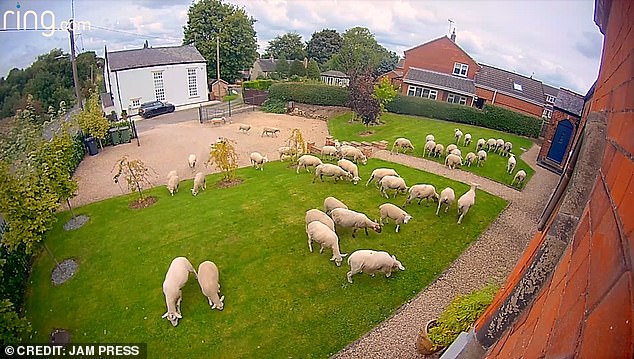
(494, 94)
(116, 75)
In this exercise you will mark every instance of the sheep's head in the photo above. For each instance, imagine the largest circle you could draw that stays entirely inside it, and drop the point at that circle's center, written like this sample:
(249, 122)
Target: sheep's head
(356, 179)
(221, 304)
(173, 317)
(376, 227)
(338, 259)
(397, 264)
(406, 218)
(364, 160)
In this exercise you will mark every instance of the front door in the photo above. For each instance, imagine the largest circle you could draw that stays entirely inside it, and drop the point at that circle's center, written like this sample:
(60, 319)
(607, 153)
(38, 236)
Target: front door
(559, 146)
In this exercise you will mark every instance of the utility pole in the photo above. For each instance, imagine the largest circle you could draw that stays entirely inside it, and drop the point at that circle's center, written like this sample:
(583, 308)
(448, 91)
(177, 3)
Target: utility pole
(74, 62)
(218, 64)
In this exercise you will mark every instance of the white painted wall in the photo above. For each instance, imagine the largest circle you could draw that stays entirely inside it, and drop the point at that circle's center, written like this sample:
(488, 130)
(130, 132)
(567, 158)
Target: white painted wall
(139, 83)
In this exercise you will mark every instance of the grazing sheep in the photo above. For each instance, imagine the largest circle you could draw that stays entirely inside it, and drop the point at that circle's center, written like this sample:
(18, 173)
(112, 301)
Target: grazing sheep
(351, 168)
(458, 135)
(244, 128)
(466, 201)
(327, 238)
(172, 174)
(354, 153)
(350, 219)
(480, 144)
(192, 161)
(308, 161)
(331, 203)
(467, 139)
(172, 184)
(330, 151)
(430, 137)
(199, 183)
(491, 142)
(457, 152)
(319, 216)
(471, 157)
(392, 182)
(499, 145)
(286, 151)
(429, 148)
(270, 131)
(510, 164)
(258, 160)
(379, 173)
(508, 146)
(438, 151)
(452, 160)
(403, 143)
(420, 192)
(208, 279)
(372, 262)
(482, 157)
(175, 279)
(399, 216)
(447, 196)
(330, 170)
(450, 148)
(519, 177)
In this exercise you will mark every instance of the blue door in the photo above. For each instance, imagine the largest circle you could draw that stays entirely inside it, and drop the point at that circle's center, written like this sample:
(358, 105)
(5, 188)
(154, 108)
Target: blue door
(559, 146)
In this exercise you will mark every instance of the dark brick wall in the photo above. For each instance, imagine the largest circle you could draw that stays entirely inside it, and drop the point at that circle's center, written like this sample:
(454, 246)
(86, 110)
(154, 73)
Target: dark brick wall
(549, 133)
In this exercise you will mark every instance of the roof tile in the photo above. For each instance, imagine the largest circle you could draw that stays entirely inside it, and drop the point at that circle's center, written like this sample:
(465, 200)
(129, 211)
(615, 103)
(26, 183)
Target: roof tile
(503, 81)
(440, 79)
(153, 56)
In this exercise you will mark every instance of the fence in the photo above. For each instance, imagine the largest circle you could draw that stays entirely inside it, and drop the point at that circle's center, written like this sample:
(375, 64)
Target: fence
(255, 97)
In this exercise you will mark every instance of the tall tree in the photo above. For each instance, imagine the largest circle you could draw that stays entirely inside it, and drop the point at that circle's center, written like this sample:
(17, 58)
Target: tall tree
(312, 71)
(388, 63)
(360, 52)
(297, 68)
(209, 20)
(282, 67)
(323, 45)
(290, 46)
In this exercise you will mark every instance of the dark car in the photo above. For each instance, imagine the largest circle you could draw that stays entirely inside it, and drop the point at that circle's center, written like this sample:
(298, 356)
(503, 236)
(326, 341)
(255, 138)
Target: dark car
(155, 108)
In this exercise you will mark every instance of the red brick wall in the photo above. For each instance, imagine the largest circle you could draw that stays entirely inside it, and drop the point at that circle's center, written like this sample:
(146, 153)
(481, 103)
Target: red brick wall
(439, 55)
(585, 310)
(509, 102)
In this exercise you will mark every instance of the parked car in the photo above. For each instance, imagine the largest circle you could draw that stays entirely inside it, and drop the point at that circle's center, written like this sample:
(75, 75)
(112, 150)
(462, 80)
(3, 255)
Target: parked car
(155, 108)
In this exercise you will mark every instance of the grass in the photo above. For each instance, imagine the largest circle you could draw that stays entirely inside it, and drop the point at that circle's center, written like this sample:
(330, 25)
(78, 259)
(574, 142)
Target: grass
(417, 128)
(280, 299)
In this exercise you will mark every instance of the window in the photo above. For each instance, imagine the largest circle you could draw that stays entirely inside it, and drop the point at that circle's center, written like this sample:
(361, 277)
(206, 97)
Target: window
(548, 113)
(191, 83)
(460, 69)
(422, 92)
(517, 87)
(451, 98)
(136, 102)
(550, 98)
(159, 90)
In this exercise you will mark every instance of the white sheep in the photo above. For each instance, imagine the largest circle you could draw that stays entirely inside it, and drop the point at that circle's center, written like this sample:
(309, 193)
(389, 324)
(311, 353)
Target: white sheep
(457, 135)
(244, 128)
(350, 219)
(327, 238)
(519, 177)
(447, 196)
(331, 203)
(313, 215)
(482, 157)
(330, 151)
(175, 279)
(351, 168)
(429, 148)
(450, 148)
(467, 139)
(491, 142)
(471, 157)
(307, 161)
(452, 161)
(330, 170)
(199, 183)
(499, 145)
(508, 147)
(272, 131)
(392, 182)
(457, 152)
(420, 192)
(172, 174)
(354, 153)
(510, 164)
(372, 262)
(430, 137)
(379, 173)
(208, 278)
(172, 184)
(402, 143)
(258, 160)
(399, 216)
(286, 151)
(480, 144)
(192, 161)
(466, 201)
(438, 151)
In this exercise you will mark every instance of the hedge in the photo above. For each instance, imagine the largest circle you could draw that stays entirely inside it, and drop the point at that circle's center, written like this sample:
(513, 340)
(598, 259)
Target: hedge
(258, 84)
(309, 93)
(493, 117)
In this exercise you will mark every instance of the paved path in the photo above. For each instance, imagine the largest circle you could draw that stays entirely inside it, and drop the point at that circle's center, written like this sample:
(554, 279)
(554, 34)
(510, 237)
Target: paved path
(490, 258)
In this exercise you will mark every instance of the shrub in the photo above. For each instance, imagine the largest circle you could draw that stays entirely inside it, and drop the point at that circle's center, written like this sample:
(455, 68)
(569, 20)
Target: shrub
(274, 106)
(309, 93)
(258, 84)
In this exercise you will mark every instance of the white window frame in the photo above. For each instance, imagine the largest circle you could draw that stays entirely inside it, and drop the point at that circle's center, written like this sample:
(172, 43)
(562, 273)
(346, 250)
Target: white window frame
(456, 99)
(159, 86)
(460, 69)
(517, 87)
(424, 92)
(135, 102)
(550, 98)
(192, 82)
(548, 113)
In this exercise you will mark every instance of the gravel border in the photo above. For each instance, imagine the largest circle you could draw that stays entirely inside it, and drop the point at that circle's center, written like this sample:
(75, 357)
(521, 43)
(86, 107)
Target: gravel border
(489, 259)
(64, 271)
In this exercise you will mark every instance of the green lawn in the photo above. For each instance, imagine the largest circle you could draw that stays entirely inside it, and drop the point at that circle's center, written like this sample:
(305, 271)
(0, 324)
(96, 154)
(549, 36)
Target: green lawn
(417, 128)
(280, 299)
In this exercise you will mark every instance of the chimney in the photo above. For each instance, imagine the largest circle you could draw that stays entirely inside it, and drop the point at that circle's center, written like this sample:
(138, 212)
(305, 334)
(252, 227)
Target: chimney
(453, 35)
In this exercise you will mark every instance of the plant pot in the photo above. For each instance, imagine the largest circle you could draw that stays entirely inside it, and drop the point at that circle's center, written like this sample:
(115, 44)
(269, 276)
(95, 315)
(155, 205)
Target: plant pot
(424, 345)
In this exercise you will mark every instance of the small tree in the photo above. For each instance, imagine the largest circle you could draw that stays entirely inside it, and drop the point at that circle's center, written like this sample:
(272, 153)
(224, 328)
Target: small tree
(384, 93)
(297, 68)
(57, 157)
(135, 173)
(312, 71)
(92, 121)
(223, 155)
(297, 144)
(361, 99)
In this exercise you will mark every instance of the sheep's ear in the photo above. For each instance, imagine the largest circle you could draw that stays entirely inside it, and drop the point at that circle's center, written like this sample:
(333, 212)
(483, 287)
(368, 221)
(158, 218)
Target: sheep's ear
(178, 315)
(343, 255)
(394, 257)
(222, 299)
(164, 315)
(332, 259)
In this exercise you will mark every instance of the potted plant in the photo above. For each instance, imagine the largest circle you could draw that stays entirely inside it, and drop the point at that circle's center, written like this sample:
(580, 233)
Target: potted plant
(458, 317)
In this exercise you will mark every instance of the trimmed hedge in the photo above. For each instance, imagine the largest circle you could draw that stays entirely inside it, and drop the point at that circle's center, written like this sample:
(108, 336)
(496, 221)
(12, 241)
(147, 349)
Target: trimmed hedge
(493, 117)
(257, 84)
(309, 93)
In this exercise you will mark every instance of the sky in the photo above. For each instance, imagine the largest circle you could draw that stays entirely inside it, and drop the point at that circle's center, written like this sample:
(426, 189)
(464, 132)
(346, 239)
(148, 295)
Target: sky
(554, 41)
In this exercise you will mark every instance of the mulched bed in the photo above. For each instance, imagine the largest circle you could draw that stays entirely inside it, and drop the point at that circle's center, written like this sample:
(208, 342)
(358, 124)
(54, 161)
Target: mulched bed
(76, 223)
(143, 203)
(229, 183)
(65, 271)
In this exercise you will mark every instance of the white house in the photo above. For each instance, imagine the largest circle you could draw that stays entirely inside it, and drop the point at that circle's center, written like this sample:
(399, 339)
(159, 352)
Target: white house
(176, 74)
(336, 78)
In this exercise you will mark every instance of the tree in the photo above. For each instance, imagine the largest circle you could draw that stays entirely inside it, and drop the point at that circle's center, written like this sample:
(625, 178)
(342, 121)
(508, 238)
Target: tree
(297, 68)
(388, 63)
(290, 46)
(135, 173)
(12, 327)
(91, 119)
(312, 71)
(384, 93)
(323, 45)
(282, 67)
(211, 19)
(223, 154)
(360, 53)
(361, 99)
(297, 144)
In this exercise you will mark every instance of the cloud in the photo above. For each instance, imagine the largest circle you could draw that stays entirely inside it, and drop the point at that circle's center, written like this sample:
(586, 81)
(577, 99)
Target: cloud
(591, 44)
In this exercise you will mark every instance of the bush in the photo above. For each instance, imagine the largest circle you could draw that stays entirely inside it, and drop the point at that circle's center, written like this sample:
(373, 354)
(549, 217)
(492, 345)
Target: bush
(309, 93)
(274, 106)
(492, 117)
(257, 84)
(15, 267)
